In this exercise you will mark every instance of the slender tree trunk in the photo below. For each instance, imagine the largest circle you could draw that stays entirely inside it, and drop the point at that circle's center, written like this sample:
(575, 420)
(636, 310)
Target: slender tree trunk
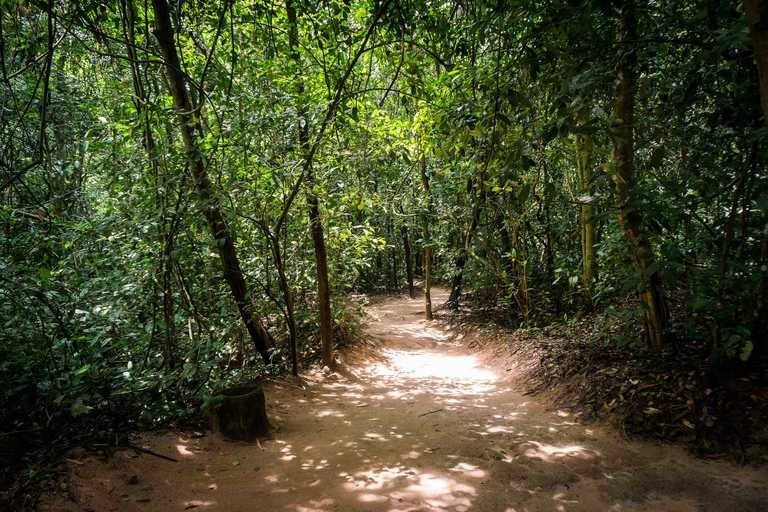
(757, 19)
(408, 261)
(461, 258)
(622, 157)
(196, 161)
(588, 224)
(427, 242)
(315, 222)
(288, 295)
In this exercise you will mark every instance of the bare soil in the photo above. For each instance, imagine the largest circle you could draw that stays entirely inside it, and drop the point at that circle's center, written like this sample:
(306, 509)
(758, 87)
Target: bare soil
(420, 424)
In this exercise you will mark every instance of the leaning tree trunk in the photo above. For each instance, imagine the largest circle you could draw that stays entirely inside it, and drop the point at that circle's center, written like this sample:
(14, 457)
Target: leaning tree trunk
(221, 234)
(622, 157)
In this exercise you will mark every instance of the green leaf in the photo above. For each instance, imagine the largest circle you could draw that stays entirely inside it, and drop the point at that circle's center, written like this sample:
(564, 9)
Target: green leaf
(524, 192)
(78, 408)
(82, 369)
(747, 350)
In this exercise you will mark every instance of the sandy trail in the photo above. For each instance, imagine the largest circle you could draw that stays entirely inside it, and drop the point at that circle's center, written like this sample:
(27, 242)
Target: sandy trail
(427, 427)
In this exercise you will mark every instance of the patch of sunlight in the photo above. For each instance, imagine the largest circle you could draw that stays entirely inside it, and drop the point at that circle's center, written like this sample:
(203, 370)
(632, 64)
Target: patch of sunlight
(184, 451)
(317, 505)
(468, 470)
(441, 374)
(560, 496)
(329, 412)
(500, 430)
(550, 452)
(372, 498)
(409, 485)
(411, 455)
(288, 457)
(198, 503)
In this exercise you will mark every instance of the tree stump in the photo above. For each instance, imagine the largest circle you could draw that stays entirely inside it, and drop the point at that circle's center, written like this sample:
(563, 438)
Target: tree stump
(242, 415)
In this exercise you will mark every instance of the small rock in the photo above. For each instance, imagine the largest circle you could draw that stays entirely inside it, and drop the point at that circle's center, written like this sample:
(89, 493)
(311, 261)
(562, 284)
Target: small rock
(133, 480)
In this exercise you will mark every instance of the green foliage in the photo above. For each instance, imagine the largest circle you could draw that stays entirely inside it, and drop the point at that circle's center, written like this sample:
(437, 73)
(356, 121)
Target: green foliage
(113, 312)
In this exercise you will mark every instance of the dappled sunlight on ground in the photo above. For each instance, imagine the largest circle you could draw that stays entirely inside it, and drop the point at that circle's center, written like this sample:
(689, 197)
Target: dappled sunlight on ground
(427, 426)
(412, 488)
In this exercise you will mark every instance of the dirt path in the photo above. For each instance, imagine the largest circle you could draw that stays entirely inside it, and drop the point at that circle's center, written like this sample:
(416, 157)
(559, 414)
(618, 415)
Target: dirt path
(427, 427)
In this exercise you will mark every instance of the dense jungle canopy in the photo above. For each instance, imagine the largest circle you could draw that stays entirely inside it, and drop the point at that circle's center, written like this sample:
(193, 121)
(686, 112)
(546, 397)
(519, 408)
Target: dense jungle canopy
(193, 189)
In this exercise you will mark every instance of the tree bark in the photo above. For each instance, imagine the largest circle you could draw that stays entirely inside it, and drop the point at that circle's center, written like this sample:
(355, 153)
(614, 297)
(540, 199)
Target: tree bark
(315, 222)
(461, 258)
(242, 414)
(588, 225)
(427, 246)
(622, 157)
(757, 19)
(408, 261)
(196, 161)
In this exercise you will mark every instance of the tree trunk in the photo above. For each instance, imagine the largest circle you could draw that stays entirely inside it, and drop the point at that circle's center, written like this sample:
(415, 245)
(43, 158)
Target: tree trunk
(196, 161)
(315, 222)
(588, 225)
(757, 19)
(622, 157)
(427, 246)
(408, 262)
(461, 258)
(288, 296)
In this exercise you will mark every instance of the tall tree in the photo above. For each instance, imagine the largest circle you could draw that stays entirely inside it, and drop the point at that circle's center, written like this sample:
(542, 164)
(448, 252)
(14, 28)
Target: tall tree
(623, 159)
(196, 160)
(427, 241)
(757, 19)
(313, 204)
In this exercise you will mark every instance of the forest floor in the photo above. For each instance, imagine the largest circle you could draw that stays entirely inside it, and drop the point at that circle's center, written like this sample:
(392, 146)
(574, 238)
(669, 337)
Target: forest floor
(419, 423)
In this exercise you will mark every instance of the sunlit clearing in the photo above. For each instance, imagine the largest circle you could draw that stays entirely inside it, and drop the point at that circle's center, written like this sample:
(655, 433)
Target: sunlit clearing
(433, 373)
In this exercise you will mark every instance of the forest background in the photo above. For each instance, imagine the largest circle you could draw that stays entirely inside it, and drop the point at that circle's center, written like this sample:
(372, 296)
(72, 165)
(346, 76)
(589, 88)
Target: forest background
(191, 191)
